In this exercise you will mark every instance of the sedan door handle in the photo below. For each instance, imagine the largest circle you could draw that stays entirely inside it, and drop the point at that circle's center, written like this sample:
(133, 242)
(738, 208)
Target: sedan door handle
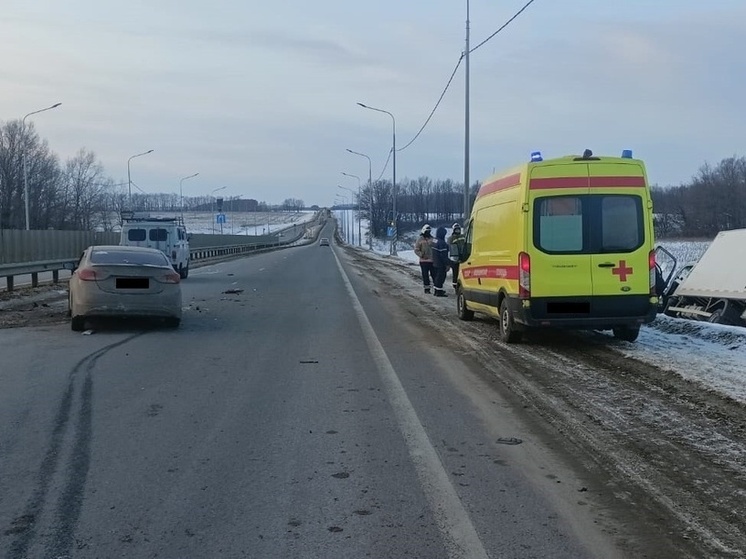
(607, 265)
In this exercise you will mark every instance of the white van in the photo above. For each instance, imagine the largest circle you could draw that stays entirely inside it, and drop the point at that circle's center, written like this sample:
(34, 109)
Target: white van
(166, 234)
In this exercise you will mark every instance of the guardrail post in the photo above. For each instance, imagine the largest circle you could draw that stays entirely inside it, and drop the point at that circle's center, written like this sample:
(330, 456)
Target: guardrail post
(55, 276)
(34, 279)
(9, 283)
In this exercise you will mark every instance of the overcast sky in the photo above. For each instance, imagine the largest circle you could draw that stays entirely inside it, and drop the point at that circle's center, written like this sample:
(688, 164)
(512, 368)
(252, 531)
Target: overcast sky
(260, 97)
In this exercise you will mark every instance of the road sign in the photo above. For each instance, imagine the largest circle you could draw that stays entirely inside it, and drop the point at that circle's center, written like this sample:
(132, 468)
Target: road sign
(220, 218)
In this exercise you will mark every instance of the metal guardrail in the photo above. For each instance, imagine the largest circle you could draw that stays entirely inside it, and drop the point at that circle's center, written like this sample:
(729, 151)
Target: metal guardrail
(9, 271)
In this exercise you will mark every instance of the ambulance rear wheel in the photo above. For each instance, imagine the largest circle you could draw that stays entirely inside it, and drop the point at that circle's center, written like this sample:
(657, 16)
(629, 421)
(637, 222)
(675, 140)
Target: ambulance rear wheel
(463, 312)
(627, 333)
(508, 332)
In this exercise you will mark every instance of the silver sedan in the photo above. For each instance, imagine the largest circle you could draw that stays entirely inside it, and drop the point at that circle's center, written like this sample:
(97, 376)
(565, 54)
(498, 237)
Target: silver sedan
(124, 281)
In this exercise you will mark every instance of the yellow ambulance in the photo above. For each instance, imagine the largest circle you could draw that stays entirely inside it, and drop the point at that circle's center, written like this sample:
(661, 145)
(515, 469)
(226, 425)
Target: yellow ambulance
(562, 243)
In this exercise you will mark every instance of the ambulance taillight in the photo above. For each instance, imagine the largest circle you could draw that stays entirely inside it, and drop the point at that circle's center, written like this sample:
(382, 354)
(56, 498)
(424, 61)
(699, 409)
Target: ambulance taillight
(651, 266)
(524, 275)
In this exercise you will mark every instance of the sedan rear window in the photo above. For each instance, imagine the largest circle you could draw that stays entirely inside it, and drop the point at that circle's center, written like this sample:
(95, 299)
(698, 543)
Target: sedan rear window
(123, 257)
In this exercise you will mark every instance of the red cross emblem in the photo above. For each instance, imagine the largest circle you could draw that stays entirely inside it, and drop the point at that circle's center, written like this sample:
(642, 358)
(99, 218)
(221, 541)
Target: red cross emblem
(622, 270)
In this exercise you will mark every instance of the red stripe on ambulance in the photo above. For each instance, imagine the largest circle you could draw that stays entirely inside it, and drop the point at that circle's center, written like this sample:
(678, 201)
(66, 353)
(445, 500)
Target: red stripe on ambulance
(586, 182)
(491, 272)
(500, 184)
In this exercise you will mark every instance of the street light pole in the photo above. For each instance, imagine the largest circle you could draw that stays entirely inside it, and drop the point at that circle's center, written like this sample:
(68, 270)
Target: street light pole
(370, 195)
(23, 151)
(352, 197)
(359, 230)
(393, 153)
(466, 122)
(129, 178)
(181, 194)
(233, 211)
(344, 216)
(212, 199)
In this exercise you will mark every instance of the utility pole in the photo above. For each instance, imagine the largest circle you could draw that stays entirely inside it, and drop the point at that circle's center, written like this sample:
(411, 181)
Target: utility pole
(466, 123)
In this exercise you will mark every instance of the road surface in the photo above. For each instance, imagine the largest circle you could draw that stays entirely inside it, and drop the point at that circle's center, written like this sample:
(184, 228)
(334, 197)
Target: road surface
(314, 404)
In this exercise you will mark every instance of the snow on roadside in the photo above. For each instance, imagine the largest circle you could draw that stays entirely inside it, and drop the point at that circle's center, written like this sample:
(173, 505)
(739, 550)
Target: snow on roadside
(712, 355)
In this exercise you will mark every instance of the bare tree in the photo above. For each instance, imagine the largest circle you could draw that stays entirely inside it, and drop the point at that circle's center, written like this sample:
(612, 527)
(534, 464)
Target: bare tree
(11, 176)
(83, 192)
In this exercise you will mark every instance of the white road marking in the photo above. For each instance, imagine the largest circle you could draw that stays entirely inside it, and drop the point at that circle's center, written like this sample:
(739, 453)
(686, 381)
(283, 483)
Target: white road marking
(460, 536)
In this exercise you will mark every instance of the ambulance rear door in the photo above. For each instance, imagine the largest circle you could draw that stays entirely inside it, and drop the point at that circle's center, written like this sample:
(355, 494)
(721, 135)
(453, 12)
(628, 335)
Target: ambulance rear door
(560, 260)
(621, 239)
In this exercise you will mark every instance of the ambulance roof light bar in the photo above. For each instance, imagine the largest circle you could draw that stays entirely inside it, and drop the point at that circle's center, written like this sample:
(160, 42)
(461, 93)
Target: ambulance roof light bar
(626, 154)
(536, 156)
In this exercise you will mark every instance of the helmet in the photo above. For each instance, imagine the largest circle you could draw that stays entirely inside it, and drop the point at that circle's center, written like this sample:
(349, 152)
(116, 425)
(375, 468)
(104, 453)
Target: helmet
(456, 226)
(425, 229)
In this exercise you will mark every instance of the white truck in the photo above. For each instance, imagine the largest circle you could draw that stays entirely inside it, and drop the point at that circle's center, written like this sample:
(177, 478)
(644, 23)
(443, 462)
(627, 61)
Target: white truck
(167, 234)
(714, 288)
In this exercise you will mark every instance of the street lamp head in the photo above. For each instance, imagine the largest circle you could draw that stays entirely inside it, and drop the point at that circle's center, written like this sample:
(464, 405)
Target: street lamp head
(362, 105)
(55, 105)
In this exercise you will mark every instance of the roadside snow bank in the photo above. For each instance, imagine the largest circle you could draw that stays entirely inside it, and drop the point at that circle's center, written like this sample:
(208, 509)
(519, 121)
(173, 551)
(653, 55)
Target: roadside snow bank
(711, 355)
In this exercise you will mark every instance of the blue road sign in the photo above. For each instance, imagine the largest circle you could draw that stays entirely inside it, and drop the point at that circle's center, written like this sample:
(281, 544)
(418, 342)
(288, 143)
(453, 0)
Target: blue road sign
(220, 218)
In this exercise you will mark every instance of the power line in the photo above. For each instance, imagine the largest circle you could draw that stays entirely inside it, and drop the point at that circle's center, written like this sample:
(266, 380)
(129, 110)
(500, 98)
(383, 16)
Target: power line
(519, 12)
(450, 80)
(436, 104)
(385, 165)
(453, 74)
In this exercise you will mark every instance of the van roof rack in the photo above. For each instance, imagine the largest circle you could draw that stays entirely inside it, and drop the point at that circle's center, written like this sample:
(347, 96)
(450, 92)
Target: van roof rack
(128, 215)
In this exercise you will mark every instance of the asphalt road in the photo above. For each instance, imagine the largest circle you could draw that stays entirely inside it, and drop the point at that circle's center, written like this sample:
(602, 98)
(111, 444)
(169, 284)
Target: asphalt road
(307, 415)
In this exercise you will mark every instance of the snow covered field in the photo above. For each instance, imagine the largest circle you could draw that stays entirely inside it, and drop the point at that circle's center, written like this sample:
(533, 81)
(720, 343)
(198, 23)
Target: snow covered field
(241, 223)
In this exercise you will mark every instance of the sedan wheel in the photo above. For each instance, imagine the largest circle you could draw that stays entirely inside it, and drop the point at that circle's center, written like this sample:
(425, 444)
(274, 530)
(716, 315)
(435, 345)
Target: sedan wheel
(77, 323)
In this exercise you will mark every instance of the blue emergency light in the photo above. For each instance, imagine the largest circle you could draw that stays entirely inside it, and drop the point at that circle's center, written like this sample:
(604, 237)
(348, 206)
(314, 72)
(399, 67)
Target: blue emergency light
(627, 154)
(536, 156)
